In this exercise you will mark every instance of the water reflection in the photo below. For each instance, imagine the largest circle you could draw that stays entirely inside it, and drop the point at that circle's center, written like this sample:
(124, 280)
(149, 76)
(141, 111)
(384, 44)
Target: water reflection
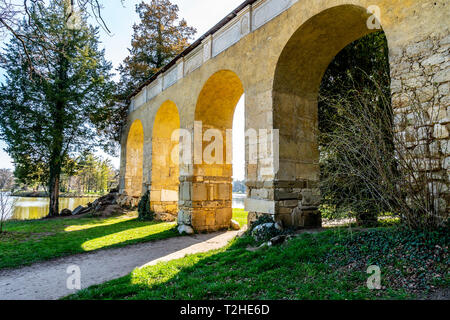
(239, 200)
(37, 208)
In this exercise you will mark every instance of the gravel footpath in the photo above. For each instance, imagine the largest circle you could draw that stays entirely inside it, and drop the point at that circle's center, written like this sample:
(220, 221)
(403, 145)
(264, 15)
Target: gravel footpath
(48, 280)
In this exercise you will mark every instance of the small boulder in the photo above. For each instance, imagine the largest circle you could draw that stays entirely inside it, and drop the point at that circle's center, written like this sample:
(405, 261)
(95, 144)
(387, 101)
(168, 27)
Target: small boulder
(265, 231)
(65, 213)
(263, 226)
(264, 245)
(235, 225)
(112, 209)
(185, 229)
(277, 240)
(107, 210)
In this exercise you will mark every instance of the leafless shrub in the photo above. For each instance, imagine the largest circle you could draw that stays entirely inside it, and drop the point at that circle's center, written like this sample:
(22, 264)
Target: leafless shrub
(7, 202)
(12, 12)
(396, 156)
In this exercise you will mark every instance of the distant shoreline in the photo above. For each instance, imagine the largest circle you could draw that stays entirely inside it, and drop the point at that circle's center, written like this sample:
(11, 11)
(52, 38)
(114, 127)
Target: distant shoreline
(43, 194)
(239, 194)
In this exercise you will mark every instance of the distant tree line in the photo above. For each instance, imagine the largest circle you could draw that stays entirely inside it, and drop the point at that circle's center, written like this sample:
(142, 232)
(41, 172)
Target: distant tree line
(59, 101)
(239, 186)
(85, 174)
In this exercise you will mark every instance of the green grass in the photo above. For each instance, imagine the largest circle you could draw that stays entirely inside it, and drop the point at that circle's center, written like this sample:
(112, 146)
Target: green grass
(26, 242)
(327, 265)
(240, 216)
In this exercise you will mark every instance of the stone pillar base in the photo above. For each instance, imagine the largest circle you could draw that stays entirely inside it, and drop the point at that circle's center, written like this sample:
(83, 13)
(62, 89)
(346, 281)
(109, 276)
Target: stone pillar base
(165, 210)
(205, 203)
(294, 205)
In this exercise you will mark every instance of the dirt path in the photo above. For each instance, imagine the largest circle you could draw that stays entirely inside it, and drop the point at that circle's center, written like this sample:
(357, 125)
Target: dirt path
(47, 280)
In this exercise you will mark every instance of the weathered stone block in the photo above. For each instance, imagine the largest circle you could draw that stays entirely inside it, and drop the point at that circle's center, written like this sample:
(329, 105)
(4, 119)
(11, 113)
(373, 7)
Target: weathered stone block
(185, 191)
(284, 195)
(446, 163)
(198, 218)
(184, 217)
(155, 195)
(169, 195)
(311, 197)
(289, 203)
(260, 206)
(440, 131)
(419, 48)
(224, 191)
(210, 219)
(223, 216)
(199, 192)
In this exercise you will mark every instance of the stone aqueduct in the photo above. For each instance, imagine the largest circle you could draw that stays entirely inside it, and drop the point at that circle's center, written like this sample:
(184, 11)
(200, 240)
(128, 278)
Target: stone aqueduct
(276, 52)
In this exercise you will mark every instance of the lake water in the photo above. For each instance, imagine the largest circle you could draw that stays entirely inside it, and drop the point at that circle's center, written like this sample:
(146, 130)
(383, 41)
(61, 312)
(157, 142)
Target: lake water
(37, 208)
(239, 200)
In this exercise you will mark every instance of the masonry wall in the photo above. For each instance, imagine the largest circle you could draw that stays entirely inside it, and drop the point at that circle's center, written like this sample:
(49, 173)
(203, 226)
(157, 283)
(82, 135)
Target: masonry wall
(283, 183)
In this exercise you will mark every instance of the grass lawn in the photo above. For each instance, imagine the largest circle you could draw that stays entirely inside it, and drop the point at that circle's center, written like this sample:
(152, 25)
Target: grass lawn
(327, 265)
(240, 216)
(26, 242)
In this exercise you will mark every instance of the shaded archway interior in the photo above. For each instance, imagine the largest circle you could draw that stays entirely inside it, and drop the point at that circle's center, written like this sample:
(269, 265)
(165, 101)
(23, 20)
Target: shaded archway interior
(135, 160)
(212, 185)
(298, 76)
(165, 162)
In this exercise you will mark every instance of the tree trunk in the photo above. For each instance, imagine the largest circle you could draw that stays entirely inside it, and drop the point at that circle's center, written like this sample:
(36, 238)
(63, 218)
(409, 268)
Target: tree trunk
(54, 191)
(56, 155)
(55, 174)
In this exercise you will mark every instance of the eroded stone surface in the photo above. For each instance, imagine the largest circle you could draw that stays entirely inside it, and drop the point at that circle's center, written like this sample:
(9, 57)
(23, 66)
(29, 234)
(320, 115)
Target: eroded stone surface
(279, 62)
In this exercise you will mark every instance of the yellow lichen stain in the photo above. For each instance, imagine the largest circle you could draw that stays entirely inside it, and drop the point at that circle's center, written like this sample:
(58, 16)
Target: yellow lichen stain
(215, 110)
(135, 159)
(165, 162)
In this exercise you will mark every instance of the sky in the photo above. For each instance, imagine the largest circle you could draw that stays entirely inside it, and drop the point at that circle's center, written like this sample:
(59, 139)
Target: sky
(201, 14)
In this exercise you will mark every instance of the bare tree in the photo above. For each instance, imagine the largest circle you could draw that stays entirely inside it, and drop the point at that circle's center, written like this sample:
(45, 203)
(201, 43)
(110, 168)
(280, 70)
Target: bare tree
(6, 200)
(395, 155)
(13, 11)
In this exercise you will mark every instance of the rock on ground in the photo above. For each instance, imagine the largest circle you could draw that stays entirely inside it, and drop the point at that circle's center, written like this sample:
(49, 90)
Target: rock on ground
(235, 225)
(185, 229)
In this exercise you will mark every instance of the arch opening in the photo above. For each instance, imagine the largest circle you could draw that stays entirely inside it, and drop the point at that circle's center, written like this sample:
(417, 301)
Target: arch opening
(135, 160)
(165, 164)
(212, 185)
(299, 73)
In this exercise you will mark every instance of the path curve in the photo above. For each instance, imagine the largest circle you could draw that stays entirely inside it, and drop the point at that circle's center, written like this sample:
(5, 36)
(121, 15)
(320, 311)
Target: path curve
(47, 280)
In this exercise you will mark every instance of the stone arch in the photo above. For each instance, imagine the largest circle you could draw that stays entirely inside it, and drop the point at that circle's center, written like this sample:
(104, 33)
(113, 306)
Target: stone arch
(134, 160)
(212, 181)
(165, 163)
(298, 75)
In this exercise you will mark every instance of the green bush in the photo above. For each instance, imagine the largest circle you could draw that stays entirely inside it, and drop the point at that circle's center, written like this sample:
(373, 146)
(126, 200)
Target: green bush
(144, 211)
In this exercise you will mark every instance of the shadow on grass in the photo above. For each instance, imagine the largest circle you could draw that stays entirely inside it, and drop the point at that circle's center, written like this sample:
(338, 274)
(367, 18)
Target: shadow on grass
(296, 270)
(14, 254)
